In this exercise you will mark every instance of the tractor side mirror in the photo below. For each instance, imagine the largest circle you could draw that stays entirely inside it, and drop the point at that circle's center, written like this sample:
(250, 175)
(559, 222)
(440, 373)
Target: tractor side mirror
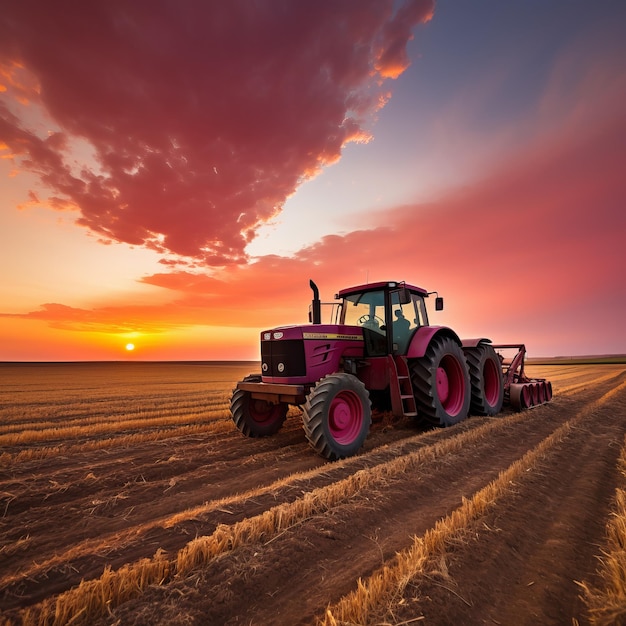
(438, 303)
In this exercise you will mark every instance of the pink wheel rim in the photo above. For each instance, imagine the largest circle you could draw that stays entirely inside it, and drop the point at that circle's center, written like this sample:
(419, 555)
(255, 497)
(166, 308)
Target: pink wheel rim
(493, 382)
(345, 417)
(450, 385)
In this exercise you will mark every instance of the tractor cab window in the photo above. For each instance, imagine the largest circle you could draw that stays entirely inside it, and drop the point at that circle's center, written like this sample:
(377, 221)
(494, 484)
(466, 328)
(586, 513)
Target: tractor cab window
(368, 311)
(406, 317)
(421, 317)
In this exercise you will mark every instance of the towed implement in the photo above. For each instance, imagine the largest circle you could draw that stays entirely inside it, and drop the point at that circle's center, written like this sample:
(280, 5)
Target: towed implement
(520, 391)
(378, 351)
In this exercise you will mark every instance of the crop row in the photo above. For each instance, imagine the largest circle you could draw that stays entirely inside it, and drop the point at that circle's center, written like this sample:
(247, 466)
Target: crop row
(383, 590)
(606, 600)
(334, 485)
(92, 598)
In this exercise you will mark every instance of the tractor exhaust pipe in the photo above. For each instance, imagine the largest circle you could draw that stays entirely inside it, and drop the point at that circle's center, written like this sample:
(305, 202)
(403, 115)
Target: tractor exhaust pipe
(316, 305)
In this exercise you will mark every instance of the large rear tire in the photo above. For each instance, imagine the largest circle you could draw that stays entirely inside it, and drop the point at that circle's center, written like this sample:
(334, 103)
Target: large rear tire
(486, 380)
(255, 417)
(441, 383)
(337, 416)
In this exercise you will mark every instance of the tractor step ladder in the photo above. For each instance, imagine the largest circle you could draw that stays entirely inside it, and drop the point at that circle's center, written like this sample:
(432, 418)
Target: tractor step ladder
(402, 398)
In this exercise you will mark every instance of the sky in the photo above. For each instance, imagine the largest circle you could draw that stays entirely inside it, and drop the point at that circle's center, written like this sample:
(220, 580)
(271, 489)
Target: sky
(173, 174)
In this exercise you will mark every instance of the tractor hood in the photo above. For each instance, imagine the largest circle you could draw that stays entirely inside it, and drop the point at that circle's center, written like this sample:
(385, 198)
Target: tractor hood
(304, 354)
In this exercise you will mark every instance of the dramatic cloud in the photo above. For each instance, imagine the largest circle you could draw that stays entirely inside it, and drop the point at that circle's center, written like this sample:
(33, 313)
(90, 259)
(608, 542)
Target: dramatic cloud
(185, 126)
(531, 253)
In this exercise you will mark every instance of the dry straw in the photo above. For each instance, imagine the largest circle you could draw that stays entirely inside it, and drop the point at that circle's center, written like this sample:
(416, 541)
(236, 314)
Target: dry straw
(381, 591)
(9, 460)
(92, 599)
(606, 602)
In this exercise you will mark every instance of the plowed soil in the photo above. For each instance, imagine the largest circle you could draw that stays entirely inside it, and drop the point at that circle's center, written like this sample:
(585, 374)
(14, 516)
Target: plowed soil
(66, 517)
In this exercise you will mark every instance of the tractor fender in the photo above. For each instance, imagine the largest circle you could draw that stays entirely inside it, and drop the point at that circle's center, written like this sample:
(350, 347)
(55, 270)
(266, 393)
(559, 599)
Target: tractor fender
(474, 343)
(424, 335)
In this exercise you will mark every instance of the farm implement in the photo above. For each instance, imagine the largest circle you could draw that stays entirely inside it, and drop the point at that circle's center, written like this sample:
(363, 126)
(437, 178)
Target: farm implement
(377, 351)
(520, 391)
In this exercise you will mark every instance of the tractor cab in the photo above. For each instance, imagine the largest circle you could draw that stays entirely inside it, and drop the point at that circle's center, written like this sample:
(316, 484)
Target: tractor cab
(388, 312)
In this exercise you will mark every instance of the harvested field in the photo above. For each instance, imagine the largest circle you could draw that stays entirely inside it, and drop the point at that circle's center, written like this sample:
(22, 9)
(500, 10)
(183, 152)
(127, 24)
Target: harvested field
(131, 478)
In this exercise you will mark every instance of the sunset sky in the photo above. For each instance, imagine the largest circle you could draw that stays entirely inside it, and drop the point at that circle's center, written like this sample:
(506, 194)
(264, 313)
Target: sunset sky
(172, 174)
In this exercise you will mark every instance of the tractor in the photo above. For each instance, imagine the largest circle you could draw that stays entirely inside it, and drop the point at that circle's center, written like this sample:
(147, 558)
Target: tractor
(378, 352)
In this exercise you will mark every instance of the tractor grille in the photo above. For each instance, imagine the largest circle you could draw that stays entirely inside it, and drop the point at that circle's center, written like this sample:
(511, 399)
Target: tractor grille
(283, 358)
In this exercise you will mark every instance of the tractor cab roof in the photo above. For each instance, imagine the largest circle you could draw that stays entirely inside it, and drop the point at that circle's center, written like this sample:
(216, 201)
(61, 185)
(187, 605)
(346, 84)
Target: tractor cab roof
(388, 285)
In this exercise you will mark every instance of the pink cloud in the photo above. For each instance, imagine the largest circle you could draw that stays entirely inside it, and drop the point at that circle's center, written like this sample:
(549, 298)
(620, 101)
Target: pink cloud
(393, 58)
(204, 117)
(533, 252)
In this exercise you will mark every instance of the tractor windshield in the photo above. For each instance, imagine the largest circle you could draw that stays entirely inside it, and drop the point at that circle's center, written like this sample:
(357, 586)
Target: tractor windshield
(365, 309)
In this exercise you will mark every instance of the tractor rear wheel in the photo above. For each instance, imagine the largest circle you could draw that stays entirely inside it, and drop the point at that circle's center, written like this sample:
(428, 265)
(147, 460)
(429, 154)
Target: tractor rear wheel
(337, 416)
(486, 380)
(441, 383)
(255, 417)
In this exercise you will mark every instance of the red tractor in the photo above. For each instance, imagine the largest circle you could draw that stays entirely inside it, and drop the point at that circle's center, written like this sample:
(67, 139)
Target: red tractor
(380, 351)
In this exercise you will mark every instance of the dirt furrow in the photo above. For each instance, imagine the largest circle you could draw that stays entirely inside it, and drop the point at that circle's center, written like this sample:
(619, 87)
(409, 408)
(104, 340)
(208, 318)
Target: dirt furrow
(541, 540)
(318, 560)
(112, 500)
(146, 528)
(134, 490)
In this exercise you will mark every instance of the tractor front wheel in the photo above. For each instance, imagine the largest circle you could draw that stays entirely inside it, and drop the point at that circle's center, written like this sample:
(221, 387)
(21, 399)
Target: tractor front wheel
(255, 417)
(441, 383)
(486, 380)
(337, 416)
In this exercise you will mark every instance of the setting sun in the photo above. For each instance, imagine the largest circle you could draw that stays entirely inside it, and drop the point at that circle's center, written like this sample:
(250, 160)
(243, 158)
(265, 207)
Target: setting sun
(130, 347)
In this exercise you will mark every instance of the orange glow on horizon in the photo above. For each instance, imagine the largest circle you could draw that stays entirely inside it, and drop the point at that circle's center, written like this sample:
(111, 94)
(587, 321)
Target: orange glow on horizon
(34, 340)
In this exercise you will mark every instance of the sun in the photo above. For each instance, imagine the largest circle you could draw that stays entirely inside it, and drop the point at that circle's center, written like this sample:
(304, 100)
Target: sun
(130, 347)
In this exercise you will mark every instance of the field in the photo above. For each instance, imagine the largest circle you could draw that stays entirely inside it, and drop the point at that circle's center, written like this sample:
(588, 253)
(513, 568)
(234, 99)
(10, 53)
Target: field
(131, 478)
